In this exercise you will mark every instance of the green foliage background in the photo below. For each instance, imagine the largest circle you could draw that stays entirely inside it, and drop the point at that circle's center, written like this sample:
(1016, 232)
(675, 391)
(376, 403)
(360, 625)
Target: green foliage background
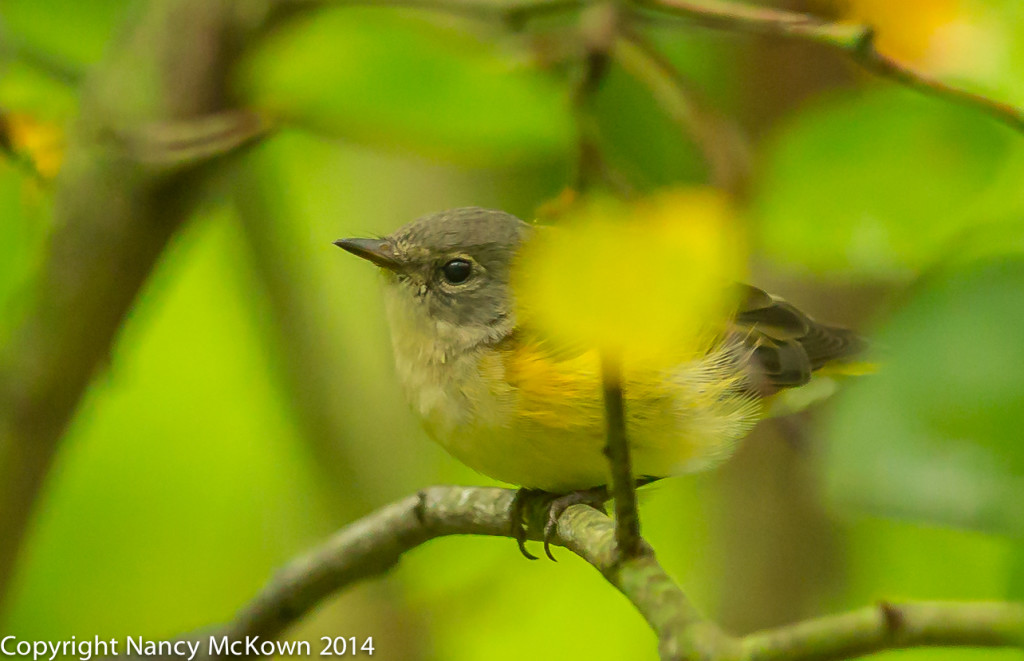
(190, 473)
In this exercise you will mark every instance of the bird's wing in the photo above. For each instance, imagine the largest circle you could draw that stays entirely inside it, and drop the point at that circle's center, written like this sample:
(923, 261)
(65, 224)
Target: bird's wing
(787, 344)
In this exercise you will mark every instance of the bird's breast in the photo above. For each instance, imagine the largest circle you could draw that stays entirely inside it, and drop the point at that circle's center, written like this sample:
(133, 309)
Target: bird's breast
(521, 416)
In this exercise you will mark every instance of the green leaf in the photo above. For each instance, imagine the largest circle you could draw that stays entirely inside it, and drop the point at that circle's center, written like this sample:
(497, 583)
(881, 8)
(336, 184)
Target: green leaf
(877, 184)
(388, 80)
(1016, 590)
(639, 139)
(70, 31)
(935, 435)
(28, 90)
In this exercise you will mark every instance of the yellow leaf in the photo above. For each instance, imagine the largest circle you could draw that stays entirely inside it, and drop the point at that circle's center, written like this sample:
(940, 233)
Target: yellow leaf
(647, 279)
(921, 32)
(42, 142)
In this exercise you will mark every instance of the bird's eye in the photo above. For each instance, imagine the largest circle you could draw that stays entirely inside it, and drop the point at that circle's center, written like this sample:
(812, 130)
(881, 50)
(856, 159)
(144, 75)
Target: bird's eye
(456, 271)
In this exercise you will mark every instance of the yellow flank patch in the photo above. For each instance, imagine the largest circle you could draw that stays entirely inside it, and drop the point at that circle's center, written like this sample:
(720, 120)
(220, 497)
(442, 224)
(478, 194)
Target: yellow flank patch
(555, 393)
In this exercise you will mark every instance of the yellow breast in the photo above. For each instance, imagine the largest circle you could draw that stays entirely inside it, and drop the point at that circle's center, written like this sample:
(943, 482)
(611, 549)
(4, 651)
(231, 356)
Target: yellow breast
(525, 415)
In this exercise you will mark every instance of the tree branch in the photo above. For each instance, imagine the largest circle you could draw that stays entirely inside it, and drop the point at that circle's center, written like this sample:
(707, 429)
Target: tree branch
(376, 543)
(855, 40)
(514, 11)
(598, 27)
(889, 627)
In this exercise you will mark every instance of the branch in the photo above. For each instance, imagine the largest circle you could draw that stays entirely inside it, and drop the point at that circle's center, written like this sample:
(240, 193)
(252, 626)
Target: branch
(376, 543)
(598, 29)
(313, 387)
(515, 11)
(855, 40)
(890, 627)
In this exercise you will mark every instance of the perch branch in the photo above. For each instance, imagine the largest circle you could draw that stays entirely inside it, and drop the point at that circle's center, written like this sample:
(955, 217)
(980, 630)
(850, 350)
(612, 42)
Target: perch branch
(853, 39)
(376, 543)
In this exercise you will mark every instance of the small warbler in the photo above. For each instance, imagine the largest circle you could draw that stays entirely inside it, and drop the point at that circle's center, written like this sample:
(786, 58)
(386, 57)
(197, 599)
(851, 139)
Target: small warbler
(514, 408)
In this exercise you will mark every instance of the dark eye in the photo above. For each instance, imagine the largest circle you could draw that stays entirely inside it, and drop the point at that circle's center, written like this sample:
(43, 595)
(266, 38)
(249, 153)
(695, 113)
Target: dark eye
(457, 271)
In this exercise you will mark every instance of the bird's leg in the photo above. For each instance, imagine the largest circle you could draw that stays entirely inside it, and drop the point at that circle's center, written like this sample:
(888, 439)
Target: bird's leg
(556, 505)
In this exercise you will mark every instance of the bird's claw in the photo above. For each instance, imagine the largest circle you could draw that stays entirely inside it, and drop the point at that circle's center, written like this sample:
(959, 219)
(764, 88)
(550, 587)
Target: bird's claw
(518, 519)
(556, 505)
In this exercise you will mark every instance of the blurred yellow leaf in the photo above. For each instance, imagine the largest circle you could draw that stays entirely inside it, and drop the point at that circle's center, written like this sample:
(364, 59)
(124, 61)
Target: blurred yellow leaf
(40, 141)
(943, 36)
(647, 278)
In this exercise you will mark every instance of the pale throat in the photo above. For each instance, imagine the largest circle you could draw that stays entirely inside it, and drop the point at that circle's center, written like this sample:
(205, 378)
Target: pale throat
(436, 361)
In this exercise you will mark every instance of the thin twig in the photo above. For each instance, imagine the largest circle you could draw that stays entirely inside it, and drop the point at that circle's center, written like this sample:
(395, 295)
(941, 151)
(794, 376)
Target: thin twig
(854, 39)
(720, 141)
(517, 11)
(739, 17)
(599, 27)
(627, 518)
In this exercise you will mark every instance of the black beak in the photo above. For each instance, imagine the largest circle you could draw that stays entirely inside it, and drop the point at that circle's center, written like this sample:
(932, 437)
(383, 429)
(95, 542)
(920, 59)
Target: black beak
(378, 251)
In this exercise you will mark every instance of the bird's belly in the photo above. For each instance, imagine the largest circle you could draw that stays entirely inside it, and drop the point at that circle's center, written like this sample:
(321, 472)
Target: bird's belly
(549, 432)
(562, 458)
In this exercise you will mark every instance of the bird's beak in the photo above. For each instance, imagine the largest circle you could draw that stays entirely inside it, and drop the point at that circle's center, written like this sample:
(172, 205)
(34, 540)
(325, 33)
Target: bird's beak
(378, 251)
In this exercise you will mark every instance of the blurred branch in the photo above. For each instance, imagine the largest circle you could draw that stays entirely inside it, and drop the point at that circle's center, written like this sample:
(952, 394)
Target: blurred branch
(598, 27)
(113, 214)
(589, 161)
(299, 330)
(514, 11)
(376, 543)
(891, 626)
(598, 31)
(724, 148)
(855, 40)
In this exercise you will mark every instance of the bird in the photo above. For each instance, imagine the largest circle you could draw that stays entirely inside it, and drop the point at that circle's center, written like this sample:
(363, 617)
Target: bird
(513, 406)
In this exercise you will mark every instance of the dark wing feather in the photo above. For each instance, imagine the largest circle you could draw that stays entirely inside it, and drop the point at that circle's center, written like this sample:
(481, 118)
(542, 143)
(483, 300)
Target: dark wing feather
(787, 344)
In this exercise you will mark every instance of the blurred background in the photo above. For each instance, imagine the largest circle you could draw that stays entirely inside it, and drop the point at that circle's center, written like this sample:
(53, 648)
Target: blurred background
(249, 406)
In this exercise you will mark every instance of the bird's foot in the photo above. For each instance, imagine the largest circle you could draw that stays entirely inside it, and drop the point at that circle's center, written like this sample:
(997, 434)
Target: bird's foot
(556, 505)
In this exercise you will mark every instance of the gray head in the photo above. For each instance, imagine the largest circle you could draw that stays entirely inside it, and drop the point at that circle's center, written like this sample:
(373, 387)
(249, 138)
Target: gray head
(447, 274)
